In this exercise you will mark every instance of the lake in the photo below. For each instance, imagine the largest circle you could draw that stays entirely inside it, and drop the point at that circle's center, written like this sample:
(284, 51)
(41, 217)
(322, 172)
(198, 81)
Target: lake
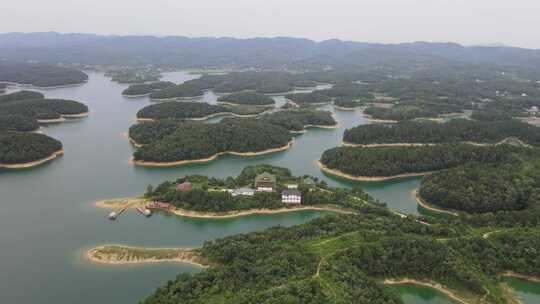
(48, 221)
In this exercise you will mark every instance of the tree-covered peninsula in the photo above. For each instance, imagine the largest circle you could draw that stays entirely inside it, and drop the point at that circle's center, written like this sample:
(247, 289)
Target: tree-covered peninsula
(43, 109)
(384, 162)
(192, 141)
(146, 88)
(40, 75)
(193, 110)
(481, 188)
(21, 95)
(297, 120)
(411, 110)
(454, 131)
(18, 123)
(20, 148)
(247, 98)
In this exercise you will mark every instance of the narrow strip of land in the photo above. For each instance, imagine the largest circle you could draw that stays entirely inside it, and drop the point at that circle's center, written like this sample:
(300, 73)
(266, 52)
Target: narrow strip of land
(367, 178)
(119, 254)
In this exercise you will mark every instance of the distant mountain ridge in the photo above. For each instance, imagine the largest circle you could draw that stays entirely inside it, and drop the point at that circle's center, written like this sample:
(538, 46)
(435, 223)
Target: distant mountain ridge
(275, 52)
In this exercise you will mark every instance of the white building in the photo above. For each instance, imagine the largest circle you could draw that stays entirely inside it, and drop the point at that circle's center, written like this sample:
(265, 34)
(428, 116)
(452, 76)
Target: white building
(291, 197)
(243, 191)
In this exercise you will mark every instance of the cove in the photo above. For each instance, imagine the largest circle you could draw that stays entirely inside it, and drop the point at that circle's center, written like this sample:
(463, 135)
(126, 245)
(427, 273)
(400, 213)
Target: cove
(47, 217)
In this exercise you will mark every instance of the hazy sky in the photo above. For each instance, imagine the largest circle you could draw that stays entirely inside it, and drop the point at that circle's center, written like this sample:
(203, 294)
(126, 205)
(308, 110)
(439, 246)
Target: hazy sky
(514, 22)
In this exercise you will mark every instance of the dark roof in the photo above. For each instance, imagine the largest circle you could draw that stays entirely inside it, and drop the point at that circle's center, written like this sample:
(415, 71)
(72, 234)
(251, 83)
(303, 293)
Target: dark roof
(291, 192)
(265, 177)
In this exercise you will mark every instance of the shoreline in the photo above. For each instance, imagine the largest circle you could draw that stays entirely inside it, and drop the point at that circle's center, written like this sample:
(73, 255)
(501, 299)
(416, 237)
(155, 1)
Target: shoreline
(177, 98)
(143, 119)
(33, 163)
(208, 159)
(436, 286)
(135, 96)
(338, 173)
(131, 140)
(183, 255)
(63, 118)
(44, 88)
(135, 202)
(344, 108)
(248, 105)
(306, 127)
(429, 206)
(522, 276)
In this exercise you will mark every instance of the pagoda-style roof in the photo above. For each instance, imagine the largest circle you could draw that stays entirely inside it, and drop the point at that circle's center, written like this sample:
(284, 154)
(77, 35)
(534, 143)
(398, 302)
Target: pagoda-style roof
(265, 177)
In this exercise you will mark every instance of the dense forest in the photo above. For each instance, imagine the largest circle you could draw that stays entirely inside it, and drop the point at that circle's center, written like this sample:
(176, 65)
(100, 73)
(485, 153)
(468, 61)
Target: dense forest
(484, 188)
(191, 140)
(389, 161)
(133, 75)
(411, 110)
(42, 108)
(179, 91)
(18, 147)
(188, 110)
(146, 88)
(247, 98)
(21, 95)
(456, 130)
(40, 75)
(298, 119)
(18, 123)
(347, 102)
(309, 98)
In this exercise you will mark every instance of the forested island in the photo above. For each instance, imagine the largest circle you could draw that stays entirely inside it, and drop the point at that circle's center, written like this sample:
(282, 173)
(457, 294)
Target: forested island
(297, 120)
(309, 98)
(194, 110)
(189, 142)
(247, 98)
(411, 110)
(136, 90)
(133, 75)
(347, 103)
(380, 163)
(40, 75)
(22, 112)
(454, 131)
(21, 150)
(347, 258)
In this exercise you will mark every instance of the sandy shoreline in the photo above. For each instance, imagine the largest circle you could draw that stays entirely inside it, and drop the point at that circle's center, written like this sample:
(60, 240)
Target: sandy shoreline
(131, 140)
(436, 286)
(208, 159)
(63, 118)
(241, 104)
(135, 96)
(181, 255)
(344, 108)
(33, 163)
(522, 276)
(367, 178)
(430, 207)
(262, 211)
(504, 141)
(142, 119)
(137, 202)
(177, 98)
(347, 144)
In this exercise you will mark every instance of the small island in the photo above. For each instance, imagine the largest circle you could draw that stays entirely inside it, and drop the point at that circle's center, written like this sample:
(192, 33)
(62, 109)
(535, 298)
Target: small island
(246, 98)
(298, 120)
(195, 111)
(165, 144)
(411, 110)
(140, 90)
(25, 150)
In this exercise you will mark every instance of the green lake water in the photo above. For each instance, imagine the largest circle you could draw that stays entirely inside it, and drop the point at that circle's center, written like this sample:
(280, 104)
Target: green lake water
(48, 221)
